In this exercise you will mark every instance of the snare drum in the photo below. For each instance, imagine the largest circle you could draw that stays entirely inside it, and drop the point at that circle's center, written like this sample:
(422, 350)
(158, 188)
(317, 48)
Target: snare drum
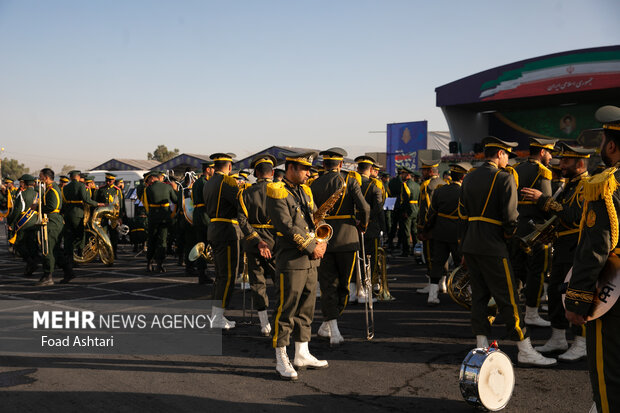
(487, 378)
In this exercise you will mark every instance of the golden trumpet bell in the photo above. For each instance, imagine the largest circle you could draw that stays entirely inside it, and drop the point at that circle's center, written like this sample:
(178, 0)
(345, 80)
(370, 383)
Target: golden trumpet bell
(324, 232)
(197, 251)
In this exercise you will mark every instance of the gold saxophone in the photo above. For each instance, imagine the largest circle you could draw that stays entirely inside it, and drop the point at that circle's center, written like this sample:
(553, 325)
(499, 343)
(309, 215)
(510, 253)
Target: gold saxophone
(323, 230)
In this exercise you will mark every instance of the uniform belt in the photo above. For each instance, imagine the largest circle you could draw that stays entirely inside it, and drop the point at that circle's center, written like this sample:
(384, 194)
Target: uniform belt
(73, 202)
(413, 202)
(56, 211)
(137, 229)
(199, 205)
(279, 234)
(570, 231)
(159, 205)
(262, 226)
(230, 221)
(447, 216)
(489, 220)
(340, 217)
(526, 202)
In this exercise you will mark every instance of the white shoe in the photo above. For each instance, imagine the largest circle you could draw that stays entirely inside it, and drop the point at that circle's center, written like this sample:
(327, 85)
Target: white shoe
(433, 290)
(557, 342)
(442, 285)
(305, 360)
(335, 338)
(482, 342)
(265, 327)
(593, 408)
(352, 292)
(283, 365)
(423, 290)
(324, 330)
(219, 321)
(576, 352)
(529, 357)
(532, 318)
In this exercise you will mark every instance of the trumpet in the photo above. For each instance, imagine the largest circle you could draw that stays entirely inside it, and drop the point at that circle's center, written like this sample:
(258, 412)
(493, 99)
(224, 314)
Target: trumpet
(543, 234)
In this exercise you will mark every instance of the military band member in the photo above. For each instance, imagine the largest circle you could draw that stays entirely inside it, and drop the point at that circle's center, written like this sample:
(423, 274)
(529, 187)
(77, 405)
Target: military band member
(24, 228)
(597, 241)
(430, 182)
(74, 198)
(89, 181)
(186, 238)
(443, 222)
(52, 204)
(408, 210)
(372, 189)
(201, 219)
(62, 181)
(394, 188)
(220, 197)
(138, 225)
(297, 253)
(488, 207)
(158, 196)
(259, 235)
(106, 194)
(568, 207)
(557, 180)
(532, 268)
(278, 175)
(338, 264)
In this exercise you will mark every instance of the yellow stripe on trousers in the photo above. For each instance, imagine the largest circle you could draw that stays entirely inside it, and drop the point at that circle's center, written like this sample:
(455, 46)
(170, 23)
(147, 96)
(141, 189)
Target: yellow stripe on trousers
(515, 310)
(279, 313)
(346, 299)
(228, 279)
(602, 389)
(542, 274)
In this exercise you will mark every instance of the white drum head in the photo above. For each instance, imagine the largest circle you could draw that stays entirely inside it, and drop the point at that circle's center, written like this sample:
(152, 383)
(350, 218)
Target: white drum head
(496, 381)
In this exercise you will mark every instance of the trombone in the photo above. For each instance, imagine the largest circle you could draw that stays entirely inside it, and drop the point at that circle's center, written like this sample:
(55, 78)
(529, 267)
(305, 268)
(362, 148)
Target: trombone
(366, 285)
(42, 221)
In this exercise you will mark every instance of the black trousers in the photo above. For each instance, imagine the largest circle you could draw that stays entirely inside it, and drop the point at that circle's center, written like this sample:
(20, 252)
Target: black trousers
(531, 269)
(439, 260)
(335, 273)
(226, 257)
(557, 314)
(258, 269)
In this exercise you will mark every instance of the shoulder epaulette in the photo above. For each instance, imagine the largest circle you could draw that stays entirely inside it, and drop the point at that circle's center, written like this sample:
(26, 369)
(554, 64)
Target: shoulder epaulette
(601, 185)
(356, 176)
(276, 190)
(229, 180)
(544, 171)
(378, 183)
(514, 174)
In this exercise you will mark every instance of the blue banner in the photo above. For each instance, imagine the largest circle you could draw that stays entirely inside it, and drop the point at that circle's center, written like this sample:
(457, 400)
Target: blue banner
(404, 140)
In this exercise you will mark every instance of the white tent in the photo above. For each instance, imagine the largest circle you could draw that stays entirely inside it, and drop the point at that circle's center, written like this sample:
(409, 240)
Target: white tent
(439, 141)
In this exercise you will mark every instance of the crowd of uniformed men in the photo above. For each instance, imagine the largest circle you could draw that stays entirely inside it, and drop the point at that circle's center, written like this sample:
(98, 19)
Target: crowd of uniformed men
(478, 216)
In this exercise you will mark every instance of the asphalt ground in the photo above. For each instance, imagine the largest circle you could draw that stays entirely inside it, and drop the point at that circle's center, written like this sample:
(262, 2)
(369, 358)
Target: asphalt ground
(412, 364)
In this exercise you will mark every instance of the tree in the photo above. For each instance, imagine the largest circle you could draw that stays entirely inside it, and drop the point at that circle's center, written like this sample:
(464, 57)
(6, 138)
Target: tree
(66, 168)
(13, 169)
(162, 154)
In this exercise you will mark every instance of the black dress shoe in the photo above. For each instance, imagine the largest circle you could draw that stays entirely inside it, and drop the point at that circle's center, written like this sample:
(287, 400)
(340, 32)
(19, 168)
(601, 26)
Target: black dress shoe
(45, 280)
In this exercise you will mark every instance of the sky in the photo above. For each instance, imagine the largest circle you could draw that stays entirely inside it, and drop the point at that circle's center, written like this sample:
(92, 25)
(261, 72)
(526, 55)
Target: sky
(86, 81)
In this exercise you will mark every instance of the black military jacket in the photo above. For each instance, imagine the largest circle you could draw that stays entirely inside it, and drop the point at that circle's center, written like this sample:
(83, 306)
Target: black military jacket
(252, 215)
(350, 206)
(443, 216)
(394, 187)
(291, 209)
(598, 239)
(532, 174)
(220, 198)
(424, 200)
(74, 196)
(488, 207)
(200, 210)
(373, 194)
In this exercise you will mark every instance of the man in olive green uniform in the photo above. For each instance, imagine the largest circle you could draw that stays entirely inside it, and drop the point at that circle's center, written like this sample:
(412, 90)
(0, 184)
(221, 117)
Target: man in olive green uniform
(159, 196)
(567, 206)
(106, 194)
(62, 181)
(488, 207)
(349, 214)
(139, 223)
(297, 253)
(52, 204)
(186, 239)
(22, 221)
(220, 198)
(201, 219)
(259, 235)
(443, 222)
(532, 268)
(372, 189)
(74, 197)
(408, 210)
(89, 181)
(598, 240)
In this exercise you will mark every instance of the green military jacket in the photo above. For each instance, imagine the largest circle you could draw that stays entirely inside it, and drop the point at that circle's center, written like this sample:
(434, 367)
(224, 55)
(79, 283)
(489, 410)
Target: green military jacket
(74, 197)
(372, 189)
(21, 205)
(409, 198)
(200, 210)
(442, 220)
(159, 197)
(598, 239)
(568, 206)
(350, 206)
(532, 174)
(220, 198)
(106, 194)
(291, 209)
(52, 203)
(488, 208)
(253, 218)
(424, 200)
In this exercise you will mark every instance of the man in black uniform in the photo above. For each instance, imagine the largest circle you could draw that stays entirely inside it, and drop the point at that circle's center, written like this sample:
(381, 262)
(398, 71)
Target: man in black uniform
(568, 207)
(394, 188)
(488, 206)
(532, 268)
(259, 235)
(74, 197)
(200, 218)
(598, 241)
(408, 211)
(220, 198)
(291, 206)
(443, 222)
(159, 196)
(338, 265)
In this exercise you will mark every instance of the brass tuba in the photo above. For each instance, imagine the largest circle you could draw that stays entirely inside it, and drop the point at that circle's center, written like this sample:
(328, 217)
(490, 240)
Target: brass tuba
(460, 291)
(97, 239)
(323, 230)
(201, 250)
